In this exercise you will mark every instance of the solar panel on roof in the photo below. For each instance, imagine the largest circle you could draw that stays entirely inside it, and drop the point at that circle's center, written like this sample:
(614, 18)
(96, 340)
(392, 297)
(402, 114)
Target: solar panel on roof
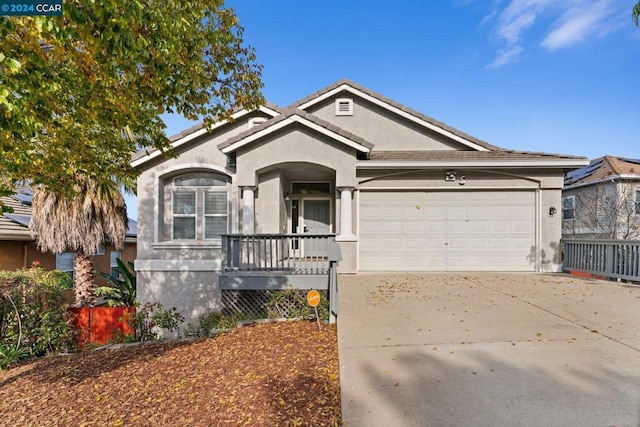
(20, 219)
(582, 173)
(24, 198)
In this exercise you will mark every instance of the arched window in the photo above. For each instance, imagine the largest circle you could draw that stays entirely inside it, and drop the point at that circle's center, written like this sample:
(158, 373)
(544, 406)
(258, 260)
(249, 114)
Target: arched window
(199, 205)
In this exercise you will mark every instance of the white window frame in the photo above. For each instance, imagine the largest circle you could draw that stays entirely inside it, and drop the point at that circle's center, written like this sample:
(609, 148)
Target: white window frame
(344, 107)
(572, 209)
(199, 214)
(636, 202)
(194, 215)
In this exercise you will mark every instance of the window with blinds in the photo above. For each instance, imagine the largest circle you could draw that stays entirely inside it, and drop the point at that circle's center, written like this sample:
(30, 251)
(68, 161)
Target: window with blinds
(199, 206)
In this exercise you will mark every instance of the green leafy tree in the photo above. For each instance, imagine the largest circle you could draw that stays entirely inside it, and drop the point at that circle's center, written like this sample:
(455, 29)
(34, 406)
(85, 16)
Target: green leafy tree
(80, 93)
(635, 13)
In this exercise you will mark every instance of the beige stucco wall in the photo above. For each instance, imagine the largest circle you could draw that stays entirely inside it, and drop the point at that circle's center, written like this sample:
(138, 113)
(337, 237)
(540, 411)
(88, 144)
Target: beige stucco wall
(192, 292)
(296, 144)
(269, 203)
(203, 153)
(550, 250)
(385, 130)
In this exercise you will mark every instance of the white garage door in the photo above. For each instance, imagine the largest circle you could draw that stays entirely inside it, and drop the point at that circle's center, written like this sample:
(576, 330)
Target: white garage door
(447, 231)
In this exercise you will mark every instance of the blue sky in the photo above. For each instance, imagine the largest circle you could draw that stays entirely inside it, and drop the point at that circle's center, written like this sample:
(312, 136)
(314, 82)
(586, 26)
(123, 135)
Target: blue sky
(559, 76)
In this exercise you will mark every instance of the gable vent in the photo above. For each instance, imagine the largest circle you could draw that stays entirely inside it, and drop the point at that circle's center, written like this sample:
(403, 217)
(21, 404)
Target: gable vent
(255, 121)
(344, 107)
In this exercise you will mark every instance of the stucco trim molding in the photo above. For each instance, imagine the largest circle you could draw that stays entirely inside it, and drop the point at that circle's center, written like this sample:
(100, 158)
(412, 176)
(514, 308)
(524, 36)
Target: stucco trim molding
(443, 164)
(294, 118)
(189, 266)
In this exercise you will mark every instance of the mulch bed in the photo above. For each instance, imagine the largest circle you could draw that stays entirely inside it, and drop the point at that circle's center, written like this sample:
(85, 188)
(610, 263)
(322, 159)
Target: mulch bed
(264, 374)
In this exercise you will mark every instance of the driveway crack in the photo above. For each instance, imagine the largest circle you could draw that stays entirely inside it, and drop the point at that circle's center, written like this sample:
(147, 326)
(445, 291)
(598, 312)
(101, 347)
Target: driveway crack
(477, 283)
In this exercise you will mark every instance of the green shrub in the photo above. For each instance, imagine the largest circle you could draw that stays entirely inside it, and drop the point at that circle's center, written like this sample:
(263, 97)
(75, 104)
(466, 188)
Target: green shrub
(122, 286)
(33, 311)
(151, 317)
(213, 320)
(10, 355)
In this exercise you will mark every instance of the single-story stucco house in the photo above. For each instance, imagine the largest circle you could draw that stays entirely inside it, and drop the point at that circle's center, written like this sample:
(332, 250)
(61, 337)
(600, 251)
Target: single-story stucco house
(400, 191)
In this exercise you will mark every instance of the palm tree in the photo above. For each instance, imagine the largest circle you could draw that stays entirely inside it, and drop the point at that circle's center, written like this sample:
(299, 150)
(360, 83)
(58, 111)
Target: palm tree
(81, 222)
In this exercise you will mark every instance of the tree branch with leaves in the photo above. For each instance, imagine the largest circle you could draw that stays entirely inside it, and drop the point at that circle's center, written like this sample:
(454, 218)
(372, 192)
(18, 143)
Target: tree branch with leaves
(80, 93)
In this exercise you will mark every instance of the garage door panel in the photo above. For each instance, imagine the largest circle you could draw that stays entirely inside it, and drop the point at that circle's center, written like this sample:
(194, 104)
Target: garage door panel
(414, 227)
(477, 213)
(455, 231)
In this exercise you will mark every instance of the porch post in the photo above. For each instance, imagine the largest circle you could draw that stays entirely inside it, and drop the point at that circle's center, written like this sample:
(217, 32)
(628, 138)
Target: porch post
(248, 218)
(346, 229)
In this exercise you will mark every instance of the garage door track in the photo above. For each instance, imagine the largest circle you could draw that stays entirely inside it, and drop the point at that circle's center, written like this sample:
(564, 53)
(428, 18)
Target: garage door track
(488, 349)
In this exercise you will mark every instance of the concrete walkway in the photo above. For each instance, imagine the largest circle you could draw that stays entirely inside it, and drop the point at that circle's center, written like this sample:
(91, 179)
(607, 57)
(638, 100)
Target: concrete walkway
(488, 349)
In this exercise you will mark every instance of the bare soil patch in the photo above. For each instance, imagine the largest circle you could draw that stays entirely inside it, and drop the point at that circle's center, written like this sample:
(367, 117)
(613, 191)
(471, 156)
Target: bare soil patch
(264, 374)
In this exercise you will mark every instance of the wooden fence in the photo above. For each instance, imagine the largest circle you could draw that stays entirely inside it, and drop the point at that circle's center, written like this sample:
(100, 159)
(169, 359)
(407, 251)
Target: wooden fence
(617, 259)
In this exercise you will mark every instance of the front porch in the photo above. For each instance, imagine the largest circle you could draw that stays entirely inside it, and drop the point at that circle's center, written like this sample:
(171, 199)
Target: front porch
(280, 261)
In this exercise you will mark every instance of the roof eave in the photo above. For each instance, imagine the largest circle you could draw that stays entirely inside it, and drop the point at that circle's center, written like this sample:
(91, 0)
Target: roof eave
(471, 164)
(24, 237)
(612, 178)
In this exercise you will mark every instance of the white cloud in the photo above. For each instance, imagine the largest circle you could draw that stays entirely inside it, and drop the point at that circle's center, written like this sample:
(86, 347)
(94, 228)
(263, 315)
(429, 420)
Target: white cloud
(578, 23)
(506, 56)
(558, 23)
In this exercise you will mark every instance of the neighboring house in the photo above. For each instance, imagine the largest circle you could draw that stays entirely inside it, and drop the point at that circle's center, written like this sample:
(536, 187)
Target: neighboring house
(402, 191)
(602, 200)
(18, 248)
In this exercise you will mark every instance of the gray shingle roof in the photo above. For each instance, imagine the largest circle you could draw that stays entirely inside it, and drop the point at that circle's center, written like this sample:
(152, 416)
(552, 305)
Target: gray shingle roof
(285, 114)
(395, 104)
(13, 227)
(16, 223)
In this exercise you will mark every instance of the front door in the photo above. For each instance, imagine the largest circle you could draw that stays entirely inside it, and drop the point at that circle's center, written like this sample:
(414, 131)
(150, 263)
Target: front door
(316, 220)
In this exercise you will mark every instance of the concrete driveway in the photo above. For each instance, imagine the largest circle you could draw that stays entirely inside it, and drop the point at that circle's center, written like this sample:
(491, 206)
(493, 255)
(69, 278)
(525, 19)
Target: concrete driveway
(488, 349)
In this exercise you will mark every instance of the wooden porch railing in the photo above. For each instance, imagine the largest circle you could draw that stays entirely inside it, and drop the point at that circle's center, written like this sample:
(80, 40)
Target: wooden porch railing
(618, 259)
(282, 253)
(268, 261)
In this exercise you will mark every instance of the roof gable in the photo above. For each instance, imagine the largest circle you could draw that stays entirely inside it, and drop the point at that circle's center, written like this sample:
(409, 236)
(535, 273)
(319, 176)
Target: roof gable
(289, 117)
(394, 107)
(198, 130)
